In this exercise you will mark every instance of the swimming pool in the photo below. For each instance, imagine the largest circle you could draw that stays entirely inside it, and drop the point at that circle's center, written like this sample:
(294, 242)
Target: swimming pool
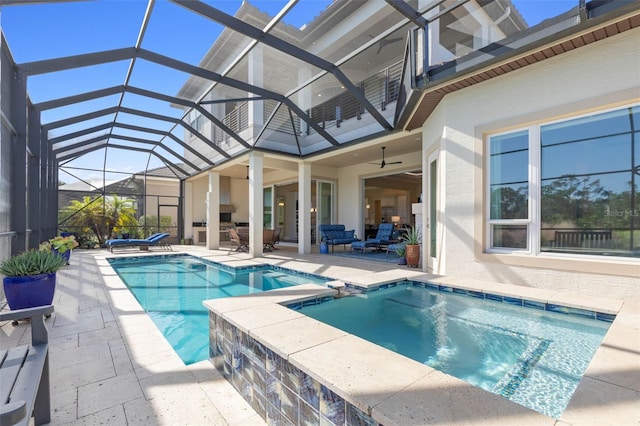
(171, 289)
(533, 357)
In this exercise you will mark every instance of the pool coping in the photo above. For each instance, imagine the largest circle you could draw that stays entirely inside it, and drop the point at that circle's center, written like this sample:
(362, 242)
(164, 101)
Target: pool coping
(608, 393)
(315, 355)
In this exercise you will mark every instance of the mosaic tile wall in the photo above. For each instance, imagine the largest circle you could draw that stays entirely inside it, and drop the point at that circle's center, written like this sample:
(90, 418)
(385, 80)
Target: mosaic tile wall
(280, 392)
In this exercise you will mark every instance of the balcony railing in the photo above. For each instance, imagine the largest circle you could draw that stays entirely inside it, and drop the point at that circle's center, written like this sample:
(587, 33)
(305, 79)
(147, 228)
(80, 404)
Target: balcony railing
(237, 120)
(380, 89)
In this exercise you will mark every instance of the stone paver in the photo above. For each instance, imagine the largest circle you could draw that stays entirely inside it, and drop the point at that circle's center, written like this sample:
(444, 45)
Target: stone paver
(442, 399)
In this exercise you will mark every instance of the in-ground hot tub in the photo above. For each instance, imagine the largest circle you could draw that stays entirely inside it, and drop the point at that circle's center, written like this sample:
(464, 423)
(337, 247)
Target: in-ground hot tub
(292, 368)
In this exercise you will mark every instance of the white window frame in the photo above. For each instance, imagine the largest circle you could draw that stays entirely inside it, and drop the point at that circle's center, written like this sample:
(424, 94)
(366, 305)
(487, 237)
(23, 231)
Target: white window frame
(535, 186)
(491, 222)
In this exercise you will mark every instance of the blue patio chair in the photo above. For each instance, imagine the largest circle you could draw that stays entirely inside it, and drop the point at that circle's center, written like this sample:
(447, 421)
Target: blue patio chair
(156, 240)
(394, 247)
(384, 234)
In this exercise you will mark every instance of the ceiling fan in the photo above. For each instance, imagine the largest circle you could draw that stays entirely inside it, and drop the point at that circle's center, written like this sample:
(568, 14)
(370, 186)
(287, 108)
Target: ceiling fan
(384, 163)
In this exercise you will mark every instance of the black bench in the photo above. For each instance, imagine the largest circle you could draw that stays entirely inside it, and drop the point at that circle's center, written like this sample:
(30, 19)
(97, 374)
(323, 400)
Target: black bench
(583, 238)
(24, 372)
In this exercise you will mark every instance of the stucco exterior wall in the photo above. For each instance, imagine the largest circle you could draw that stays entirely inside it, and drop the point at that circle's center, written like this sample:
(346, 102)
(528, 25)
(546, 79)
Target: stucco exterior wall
(599, 76)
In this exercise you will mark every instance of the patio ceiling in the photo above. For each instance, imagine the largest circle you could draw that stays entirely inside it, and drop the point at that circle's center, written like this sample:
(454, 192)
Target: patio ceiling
(130, 91)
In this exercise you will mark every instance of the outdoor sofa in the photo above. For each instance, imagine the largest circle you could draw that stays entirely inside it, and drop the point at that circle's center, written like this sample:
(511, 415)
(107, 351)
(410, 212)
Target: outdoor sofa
(336, 234)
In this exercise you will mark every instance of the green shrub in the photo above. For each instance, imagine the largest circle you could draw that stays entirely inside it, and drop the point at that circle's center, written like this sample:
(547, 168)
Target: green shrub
(412, 237)
(32, 262)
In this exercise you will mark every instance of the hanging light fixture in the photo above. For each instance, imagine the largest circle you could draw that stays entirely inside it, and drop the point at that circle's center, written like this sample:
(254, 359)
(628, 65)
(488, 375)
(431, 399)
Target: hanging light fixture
(247, 172)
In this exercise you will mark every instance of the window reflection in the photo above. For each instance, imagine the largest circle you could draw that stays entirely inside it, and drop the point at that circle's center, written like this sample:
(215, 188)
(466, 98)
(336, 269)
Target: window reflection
(509, 186)
(589, 204)
(510, 236)
(589, 186)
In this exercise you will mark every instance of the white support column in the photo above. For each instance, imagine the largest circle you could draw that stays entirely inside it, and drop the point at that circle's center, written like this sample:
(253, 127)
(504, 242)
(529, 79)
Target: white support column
(188, 210)
(256, 203)
(424, 214)
(304, 208)
(213, 212)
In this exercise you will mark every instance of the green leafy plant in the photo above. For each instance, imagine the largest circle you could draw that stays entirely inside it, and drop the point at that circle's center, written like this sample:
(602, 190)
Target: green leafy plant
(61, 244)
(401, 250)
(32, 262)
(412, 236)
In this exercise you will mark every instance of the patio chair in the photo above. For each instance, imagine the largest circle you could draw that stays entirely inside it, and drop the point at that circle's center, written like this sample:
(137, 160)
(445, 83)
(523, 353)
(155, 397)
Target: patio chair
(394, 247)
(383, 235)
(276, 237)
(156, 240)
(240, 241)
(269, 239)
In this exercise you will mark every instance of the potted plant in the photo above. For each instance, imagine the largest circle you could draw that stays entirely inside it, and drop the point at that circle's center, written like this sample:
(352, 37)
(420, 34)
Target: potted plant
(412, 246)
(30, 278)
(401, 252)
(61, 245)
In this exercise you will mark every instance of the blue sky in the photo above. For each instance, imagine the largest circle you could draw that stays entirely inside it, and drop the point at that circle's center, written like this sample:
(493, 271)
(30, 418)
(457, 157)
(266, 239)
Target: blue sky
(45, 31)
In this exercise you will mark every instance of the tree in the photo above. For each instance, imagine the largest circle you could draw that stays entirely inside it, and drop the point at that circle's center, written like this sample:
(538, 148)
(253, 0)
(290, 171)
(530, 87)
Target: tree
(91, 216)
(509, 203)
(120, 215)
(85, 215)
(574, 200)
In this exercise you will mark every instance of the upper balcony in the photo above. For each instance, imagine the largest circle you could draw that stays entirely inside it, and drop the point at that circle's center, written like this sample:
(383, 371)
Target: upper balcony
(356, 69)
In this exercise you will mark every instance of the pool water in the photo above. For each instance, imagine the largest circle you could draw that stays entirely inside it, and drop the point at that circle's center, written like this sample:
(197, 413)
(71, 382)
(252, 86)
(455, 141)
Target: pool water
(171, 290)
(532, 357)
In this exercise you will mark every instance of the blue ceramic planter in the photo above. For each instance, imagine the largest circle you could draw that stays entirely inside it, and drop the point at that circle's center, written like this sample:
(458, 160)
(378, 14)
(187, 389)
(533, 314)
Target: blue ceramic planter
(27, 292)
(324, 248)
(66, 255)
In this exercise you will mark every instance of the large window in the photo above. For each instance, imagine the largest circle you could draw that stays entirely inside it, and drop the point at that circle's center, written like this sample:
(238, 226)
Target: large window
(509, 189)
(567, 187)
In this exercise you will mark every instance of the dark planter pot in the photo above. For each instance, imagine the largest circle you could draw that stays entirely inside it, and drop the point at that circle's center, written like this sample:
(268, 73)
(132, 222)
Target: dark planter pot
(324, 248)
(66, 255)
(28, 292)
(402, 260)
(413, 255)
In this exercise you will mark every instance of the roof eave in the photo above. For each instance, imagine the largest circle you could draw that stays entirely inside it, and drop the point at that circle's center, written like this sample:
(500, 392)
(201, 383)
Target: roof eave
(501, 59)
